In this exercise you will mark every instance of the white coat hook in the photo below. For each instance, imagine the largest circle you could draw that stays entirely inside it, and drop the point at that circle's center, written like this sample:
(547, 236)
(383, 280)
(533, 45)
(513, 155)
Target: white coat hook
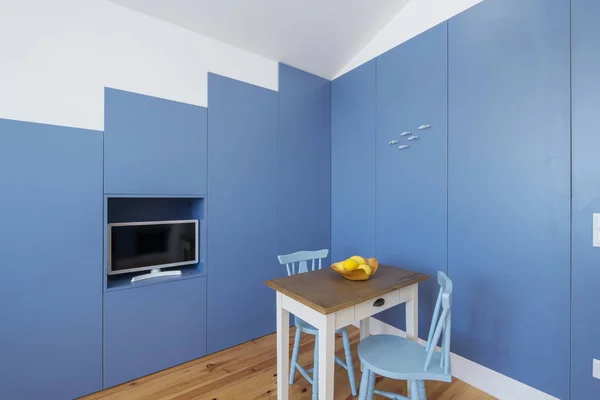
(413, 138)
(423, 127)
(403, 146)
(393, 142)
(405, 134)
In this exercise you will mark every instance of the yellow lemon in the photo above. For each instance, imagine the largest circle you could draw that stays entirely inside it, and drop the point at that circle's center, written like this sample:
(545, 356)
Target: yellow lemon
(359, 259)
(365, 268)
(350, 265)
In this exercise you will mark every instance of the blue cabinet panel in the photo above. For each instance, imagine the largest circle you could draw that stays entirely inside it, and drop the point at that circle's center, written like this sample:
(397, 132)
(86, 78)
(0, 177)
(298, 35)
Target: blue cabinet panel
(150, 328)
(411, 183)
(153, 146)
(304, 161)
(509, 189)
(51, 258)
(586, 197)
(353, 97)
(242, 211)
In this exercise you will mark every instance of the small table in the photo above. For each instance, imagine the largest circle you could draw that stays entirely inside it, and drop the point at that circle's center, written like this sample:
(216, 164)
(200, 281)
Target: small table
(329, 302)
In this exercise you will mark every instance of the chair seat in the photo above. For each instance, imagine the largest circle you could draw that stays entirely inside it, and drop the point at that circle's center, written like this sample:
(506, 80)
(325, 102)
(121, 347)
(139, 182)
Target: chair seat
(308, 328)
(399, 358)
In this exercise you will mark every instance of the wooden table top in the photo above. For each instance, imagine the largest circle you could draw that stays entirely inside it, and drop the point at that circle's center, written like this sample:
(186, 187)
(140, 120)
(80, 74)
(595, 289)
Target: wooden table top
(326, 291)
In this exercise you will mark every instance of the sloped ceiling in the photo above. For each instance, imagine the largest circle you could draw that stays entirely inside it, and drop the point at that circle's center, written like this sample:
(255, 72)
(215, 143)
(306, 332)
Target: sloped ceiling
(317, 36)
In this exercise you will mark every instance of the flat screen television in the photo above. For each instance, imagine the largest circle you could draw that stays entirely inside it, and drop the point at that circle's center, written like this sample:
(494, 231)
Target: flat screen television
(141, 246)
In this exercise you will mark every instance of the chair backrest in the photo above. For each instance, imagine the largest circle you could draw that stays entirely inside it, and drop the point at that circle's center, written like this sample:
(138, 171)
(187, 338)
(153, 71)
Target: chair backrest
(440, 324)
(302, 258)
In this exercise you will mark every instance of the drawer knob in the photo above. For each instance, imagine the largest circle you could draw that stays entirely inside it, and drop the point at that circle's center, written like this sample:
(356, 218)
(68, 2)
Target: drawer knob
(379, 302)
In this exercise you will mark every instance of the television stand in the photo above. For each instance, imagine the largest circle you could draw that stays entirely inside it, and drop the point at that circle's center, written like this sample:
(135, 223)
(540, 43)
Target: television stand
(155, 273)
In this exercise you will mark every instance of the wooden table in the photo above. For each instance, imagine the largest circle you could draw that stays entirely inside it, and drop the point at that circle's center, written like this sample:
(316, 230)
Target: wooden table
(329, 302)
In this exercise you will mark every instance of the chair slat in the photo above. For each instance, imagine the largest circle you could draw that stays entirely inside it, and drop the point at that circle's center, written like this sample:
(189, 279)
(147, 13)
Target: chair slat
(436, 338)
(303, 256)
(302, 267)
(436, 314)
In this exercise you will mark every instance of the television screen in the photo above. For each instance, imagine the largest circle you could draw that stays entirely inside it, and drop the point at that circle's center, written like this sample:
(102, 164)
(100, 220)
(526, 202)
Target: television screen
(147, 245)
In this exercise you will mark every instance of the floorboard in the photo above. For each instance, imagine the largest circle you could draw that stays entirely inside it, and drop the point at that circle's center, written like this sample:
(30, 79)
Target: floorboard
(248, 372)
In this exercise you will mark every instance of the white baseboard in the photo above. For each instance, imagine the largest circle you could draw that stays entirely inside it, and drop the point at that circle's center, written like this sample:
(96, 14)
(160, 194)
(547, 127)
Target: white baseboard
(483, 378)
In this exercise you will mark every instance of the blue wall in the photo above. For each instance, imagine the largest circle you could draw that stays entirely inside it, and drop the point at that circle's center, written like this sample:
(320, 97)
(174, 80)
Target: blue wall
(353, 120)
(242, 211)
(153, 146)
(51, 261)
(150, 328)
(507, 190)
(269, 194)
(586, 197)
(268, 171)
(304, 161)
(411, 184)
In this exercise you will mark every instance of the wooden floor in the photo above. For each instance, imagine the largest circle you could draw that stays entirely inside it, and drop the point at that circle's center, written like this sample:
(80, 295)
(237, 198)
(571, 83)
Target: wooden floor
(248, 372)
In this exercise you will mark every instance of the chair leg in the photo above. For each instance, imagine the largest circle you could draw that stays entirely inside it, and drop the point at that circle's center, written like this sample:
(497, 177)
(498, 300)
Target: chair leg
(371, 390)
(315, 386)
(422, 395)
(414, 390)
(364, 385)
(295, 354)
(350, 367)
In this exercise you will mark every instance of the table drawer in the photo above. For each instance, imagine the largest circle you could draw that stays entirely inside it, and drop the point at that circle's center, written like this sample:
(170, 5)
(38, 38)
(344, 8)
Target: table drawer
(376, 305)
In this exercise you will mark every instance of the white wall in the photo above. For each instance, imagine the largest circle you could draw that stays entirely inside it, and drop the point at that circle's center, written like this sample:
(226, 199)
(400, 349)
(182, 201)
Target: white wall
(56, 57)
(416, 17)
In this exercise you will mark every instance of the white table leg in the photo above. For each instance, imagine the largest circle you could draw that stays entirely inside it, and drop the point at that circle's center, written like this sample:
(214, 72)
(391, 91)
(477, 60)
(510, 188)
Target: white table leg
(326, 356)
(365, 330)
(412, 320)
(412, 314)
(283, 350)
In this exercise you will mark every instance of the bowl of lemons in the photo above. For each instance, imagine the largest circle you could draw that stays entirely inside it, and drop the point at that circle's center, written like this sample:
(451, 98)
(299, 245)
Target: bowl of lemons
(356, 268)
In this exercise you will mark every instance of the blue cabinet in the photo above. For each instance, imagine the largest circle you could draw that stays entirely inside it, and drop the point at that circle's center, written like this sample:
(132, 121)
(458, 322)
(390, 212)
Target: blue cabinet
(509, 189)
(353, 119)
(150, 328)
(411, 183)
(242, 211)
(153, 146)
(304, 161)
(586, 197)
(51, 261)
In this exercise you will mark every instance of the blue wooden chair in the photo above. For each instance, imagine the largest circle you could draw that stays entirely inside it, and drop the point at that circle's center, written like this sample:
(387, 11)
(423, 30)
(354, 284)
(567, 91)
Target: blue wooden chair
(301, 259)
(399, 358)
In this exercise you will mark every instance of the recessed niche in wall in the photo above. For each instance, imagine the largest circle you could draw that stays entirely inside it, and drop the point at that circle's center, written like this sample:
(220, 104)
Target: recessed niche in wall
(148, 209)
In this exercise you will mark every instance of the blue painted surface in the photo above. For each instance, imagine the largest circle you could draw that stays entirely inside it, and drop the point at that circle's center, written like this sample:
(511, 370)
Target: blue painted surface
(51, 247)
(304, 161)
(411, 183)
(509, 189)
(153, 146)
(242, 211)
(131, 209)
(586, 198)
(353, 121)
(123, 282)
(151, 328)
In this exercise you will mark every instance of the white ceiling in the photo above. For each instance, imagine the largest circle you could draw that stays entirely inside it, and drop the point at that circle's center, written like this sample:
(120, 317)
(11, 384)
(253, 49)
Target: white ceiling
(317, 36)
